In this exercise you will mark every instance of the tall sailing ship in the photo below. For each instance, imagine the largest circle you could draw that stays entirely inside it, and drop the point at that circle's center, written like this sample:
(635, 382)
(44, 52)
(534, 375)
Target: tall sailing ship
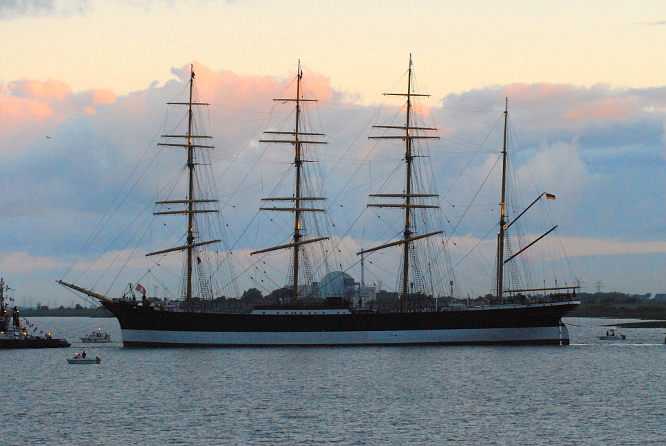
(308, 318)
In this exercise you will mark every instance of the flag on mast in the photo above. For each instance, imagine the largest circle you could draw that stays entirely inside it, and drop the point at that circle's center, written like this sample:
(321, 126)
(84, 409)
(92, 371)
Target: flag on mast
(550, 196)
(140, 289)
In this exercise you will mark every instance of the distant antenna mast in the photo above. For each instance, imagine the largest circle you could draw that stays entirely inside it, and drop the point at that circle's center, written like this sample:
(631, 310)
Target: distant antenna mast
(598, 285)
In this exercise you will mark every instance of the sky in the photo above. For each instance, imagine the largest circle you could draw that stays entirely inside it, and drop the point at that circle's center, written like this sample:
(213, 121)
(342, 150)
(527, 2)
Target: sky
(84, 86)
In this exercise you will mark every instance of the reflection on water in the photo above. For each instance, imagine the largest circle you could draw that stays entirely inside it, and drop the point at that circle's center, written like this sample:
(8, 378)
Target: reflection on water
(592, 392)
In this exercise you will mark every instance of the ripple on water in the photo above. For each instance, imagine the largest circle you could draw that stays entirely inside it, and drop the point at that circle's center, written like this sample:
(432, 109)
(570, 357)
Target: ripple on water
(585, 394)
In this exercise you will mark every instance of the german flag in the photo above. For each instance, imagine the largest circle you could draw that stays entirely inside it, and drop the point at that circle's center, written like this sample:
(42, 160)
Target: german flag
(550, 197)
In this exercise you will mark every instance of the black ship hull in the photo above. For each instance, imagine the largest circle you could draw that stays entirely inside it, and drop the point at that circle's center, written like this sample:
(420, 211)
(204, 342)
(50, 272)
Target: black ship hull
(33, 343)
(535, 324)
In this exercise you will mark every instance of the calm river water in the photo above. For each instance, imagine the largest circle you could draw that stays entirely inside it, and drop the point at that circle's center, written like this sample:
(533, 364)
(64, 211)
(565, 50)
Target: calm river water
(590, 393)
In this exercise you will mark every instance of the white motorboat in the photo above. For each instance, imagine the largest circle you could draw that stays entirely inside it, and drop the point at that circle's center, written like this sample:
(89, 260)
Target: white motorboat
(84, 359)
(612, 336)
(97, 337)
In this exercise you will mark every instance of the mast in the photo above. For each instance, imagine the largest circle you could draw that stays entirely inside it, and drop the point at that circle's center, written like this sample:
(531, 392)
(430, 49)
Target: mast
(299, 209)
(408, 190)
(191, 203)
(298, 163)
(410, 134)
(504, 225)
(501, 235)
(3, 311)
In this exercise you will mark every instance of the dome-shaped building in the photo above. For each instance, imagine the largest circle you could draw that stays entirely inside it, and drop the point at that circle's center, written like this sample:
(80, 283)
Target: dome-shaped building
(337, 284)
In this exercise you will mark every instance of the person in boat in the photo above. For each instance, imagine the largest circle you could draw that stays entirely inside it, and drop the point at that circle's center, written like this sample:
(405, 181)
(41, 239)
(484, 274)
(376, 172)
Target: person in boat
(83, 355)
(17, 318)
(4, 319)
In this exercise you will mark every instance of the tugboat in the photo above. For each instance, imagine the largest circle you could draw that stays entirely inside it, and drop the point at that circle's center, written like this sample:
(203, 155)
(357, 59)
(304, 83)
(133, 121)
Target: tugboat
(14, 335)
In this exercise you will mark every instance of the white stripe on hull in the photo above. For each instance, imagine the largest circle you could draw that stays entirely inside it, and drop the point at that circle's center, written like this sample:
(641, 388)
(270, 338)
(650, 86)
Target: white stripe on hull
(463, 336)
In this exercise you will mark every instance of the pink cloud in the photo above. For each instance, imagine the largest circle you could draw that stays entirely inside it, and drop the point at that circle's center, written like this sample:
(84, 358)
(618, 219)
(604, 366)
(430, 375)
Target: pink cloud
(99, 97)
(604, 108)
(30, 108)
(56, 95)
(103, 97)
(244, 90)
(22, 118)
(318, 85)
(28, 88)
(13, 111)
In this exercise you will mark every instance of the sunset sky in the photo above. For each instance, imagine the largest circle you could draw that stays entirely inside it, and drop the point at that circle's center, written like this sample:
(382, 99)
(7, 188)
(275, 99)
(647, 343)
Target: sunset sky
(84, 86)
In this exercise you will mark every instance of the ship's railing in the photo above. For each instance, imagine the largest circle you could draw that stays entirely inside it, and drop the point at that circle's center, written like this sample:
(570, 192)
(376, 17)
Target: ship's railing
(442, 304)
(234, 306)
(522, 299)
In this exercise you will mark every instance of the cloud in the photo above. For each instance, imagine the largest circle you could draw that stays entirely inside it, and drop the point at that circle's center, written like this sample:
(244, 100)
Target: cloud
(600, 150)
(614, 130)
(13, 9)
(16, 9)
(578, 246)
(16, 262)
(611, 108)
(30, 110)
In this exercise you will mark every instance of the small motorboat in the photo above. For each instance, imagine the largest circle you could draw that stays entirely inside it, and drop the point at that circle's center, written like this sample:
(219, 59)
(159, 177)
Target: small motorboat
(83, 358)
(97, 337)
(612, 336)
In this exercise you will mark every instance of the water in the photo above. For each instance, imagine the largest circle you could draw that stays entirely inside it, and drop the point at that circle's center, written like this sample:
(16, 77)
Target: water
(590, 393)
